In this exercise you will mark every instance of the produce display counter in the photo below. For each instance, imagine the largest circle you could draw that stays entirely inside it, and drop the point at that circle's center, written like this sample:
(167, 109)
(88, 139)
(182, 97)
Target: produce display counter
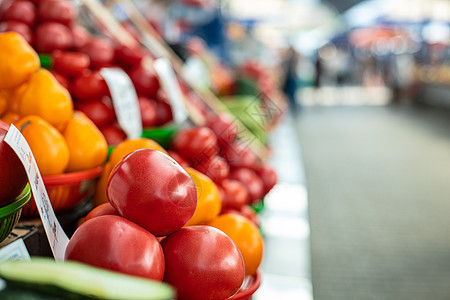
(114, 162)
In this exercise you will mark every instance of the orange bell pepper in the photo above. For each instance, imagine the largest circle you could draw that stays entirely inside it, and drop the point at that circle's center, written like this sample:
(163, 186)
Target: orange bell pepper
(10, 117)
(3, 104)
(44, 96)
(127, 146)
(14, 96)
(48, 144)
(100, 190)
(87, 145)
(18, 60)
(208, 199)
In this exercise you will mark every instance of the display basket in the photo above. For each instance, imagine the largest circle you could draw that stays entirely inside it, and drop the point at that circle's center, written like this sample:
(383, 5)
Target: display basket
(250, 286)
(11, 212)
(67, 190)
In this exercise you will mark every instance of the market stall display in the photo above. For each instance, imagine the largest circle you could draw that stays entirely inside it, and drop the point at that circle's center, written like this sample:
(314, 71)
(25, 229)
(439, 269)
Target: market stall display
(187, 176)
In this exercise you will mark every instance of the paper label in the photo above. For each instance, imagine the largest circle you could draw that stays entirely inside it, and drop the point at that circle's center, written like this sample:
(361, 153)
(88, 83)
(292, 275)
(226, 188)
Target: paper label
(56, 236)
(14, 251)
(124, 100)
(170, 84)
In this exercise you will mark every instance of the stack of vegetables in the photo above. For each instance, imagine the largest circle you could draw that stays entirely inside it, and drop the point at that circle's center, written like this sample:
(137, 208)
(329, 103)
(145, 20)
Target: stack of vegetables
(75, 58)
(62, 140)
(179, 212)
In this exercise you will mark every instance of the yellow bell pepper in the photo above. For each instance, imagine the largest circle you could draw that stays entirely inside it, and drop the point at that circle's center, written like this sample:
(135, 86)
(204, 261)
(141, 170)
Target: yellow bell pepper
(44, 96)
(208, 199)
(18, 60)
(87, 145)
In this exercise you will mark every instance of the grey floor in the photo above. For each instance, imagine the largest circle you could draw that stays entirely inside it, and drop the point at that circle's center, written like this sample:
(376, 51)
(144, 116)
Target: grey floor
(378, 183)
(286, 266)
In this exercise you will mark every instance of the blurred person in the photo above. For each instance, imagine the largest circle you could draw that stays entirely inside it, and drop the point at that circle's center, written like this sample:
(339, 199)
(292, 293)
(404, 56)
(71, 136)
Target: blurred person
(290, 80)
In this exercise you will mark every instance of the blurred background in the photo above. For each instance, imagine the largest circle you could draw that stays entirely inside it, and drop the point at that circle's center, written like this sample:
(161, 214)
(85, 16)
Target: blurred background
(347, 100)
(363, 152)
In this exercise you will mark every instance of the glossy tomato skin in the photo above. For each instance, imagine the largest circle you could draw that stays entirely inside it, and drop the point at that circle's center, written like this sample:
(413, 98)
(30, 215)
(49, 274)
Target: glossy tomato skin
(240, 156)
(149, 188)
(128, 57)
(224, 127)
(80, 36)
(19, 27)
(202, 263)
(148, 110)
(100, 111)
(104, 209)
(251, 181)
(89, 85)
(61, 79)
(163, 112)
(21, 11)
(196, 144)
(51, 36)
(60, 11)
(114, 243)
(235, 194)
(70, 63)
(268, 176)
(178, 158)
(12, 176)
(100, 52)
(144, 79)
(215, 168)
(113, 133)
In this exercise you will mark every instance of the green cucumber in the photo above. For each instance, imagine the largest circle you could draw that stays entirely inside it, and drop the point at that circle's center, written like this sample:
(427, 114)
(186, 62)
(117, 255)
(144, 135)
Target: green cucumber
(75, 280)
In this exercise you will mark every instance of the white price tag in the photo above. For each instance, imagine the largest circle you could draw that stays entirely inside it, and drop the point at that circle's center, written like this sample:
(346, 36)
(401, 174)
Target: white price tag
(124, 100)
(14, 251)
(56, 236)
(170, 84)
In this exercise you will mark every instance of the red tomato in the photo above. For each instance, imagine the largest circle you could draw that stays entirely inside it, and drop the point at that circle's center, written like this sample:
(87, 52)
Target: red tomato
(114, 243)
(113, 134)
(12, 176)
(80, 36)
(215, 168)
(252, 182)
(104, 209)
(101, 111)
(224, 127)
(19, 27)
(202, 263)
(61, 79)
(89, 85)
(21, 11)
(149, 188)
(70, 63)
(128, 57)
(148, 110)
(196, 144)
(178, 158)
(100, 51)
(51, 36)
(144, 79)
(163, 112)
(268, 176)
(235, 194)
(61, 11)
(240, 156)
